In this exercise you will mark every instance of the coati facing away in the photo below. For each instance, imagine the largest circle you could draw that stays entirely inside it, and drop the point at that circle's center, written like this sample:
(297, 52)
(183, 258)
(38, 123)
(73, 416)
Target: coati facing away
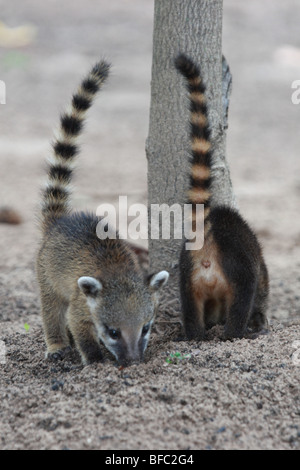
(226, 281)
(92, 290)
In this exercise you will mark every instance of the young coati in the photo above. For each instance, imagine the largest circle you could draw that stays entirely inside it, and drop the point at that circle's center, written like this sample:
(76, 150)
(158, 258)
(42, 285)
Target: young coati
(226, 281)
(92, 290)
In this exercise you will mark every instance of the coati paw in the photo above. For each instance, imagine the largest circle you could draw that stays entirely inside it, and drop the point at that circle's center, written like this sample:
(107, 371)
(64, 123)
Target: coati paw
(179, 338)
(231, 336)
(55, 356)
(194, 334)
(91, 358)
(58, 355)
(256, 334)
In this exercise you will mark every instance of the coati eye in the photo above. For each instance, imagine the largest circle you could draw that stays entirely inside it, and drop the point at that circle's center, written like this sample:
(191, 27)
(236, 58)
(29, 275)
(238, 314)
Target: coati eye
(114, 334)
(145, 329)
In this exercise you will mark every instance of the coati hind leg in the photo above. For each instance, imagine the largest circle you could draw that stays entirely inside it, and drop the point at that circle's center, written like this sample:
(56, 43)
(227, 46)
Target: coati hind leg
(192, 313)
(240, 309)
(192, 307)
(193, 318)
(258, 322)
(53, 315)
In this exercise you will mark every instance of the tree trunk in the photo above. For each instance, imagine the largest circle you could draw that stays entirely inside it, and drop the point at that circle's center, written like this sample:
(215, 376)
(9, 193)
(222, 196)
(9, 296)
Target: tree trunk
(193, 27)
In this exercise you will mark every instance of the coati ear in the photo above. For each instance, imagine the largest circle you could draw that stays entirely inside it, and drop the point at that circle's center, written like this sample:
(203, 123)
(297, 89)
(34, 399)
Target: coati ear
(158, 280)
(89, 286)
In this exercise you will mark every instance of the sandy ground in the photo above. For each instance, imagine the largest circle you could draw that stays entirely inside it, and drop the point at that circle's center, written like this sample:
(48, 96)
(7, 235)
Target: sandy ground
(219, 395)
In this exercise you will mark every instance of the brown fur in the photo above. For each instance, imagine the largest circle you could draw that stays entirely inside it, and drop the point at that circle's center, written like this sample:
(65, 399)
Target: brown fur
(210, 287)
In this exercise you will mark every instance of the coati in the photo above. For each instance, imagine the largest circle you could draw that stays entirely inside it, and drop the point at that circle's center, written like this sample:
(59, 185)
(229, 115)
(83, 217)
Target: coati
(226, 281)
(92, 290)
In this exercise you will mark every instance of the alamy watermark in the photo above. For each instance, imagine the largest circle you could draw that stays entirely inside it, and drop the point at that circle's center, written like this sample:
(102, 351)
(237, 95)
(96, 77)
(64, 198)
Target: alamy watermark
(2, 92)
(2, 352)
(296, 354)
(165, 222)
(296, 94)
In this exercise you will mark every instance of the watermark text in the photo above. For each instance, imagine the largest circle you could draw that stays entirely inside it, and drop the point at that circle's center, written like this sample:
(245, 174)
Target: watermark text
(296, 94)
(165, 222)
(2, 352)
(2, 92)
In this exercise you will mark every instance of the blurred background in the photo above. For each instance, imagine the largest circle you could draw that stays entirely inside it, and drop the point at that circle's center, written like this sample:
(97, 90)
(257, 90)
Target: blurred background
(46, 47)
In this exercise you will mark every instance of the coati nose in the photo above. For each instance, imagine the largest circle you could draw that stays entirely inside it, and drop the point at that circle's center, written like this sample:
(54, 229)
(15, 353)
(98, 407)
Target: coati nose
(129, 361)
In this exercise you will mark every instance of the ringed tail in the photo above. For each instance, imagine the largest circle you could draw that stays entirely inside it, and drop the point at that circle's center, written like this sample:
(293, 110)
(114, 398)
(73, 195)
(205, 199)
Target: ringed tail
(55, 197)
(201, 154)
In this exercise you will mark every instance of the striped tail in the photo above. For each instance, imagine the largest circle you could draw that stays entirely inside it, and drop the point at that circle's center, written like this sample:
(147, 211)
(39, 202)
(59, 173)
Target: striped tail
(55, 198)
(200, 179)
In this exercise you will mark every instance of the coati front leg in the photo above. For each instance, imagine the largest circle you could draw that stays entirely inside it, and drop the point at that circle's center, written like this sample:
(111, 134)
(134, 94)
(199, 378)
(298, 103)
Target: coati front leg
(84, 335)
(54, 320)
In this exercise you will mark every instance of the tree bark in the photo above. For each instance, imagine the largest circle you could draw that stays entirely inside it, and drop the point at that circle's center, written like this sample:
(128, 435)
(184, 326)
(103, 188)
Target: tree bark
(193, 27)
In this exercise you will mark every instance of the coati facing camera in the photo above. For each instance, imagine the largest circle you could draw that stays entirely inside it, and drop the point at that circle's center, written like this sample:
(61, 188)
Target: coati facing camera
(226, 281)
(92, 290)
